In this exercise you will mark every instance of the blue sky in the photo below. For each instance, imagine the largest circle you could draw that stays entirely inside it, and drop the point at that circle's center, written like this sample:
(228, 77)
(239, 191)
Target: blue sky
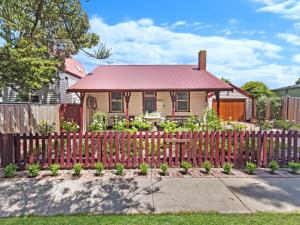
(245, 39)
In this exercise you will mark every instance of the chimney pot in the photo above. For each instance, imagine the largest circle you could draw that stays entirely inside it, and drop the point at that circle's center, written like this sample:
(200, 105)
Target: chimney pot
(202, 60)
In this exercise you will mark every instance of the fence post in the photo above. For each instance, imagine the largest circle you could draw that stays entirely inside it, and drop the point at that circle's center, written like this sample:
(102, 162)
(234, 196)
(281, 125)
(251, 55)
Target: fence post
(7, 153)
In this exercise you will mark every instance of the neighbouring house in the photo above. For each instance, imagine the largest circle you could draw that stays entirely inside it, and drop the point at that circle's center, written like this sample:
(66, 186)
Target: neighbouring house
(54, 93)
(293, 91)
(234, 105)
(175, 91)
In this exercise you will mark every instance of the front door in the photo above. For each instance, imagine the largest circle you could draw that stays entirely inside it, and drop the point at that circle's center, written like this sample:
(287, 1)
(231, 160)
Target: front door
(149, 99)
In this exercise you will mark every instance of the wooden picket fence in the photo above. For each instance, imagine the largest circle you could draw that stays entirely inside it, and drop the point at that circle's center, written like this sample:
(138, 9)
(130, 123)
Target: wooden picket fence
(153, 148)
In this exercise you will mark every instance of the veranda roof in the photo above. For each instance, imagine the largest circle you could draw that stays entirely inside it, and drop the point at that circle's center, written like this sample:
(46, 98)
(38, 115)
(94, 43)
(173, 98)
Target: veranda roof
(149, 77)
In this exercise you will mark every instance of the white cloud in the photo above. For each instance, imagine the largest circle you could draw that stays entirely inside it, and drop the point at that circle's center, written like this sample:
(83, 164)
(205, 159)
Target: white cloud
(290, 38)
(296, 58)
(178, 24)
(145, 22)
(287, 8)
(240, 60)
(233, 22)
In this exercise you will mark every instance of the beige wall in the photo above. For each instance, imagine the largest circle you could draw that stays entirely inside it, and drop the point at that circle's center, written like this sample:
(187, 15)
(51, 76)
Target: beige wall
(164, 104)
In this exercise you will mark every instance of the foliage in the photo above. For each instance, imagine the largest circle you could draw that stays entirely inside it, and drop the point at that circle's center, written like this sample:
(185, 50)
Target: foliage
(169, 126)
(250, 167)
(230, 125)
(298, 81)
(10, 170)
(69, 126)
(140, 122)
(274, 104)
(100, 122)
(77, 169)
(265, 125)
(164, 168)
(257, 89)
(211, 121)
(207, 166)
(54, 168)
(144, 168)
(123, 125)
(282, 124)
(193, 123)
(119, 168)
(186, 166)
(99, 168)
(225, 80)
(33, 170)
(227, 168)
(294, 166)
(273, 165)
(46, 128)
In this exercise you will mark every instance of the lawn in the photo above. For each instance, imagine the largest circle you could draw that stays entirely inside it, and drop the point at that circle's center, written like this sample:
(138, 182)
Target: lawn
(186, 218)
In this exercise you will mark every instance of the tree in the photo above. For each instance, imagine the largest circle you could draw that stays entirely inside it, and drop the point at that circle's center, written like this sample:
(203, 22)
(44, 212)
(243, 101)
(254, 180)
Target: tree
(298, 81)
(225, 80)
(257, 89)
(38, 35)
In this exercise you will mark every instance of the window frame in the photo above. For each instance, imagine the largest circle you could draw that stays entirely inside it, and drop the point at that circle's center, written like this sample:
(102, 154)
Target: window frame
(111, 101)
(188, 102)
(145, 96)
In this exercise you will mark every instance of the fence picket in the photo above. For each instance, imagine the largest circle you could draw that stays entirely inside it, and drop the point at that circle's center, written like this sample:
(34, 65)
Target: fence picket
(99, 148)
(128, 160)
(30, 148)
(152, 148)
(282, 149)
(135, 161)
(265, 149)
(229, 146)
(289, 157)
(194, 153)
(80, 148)
(188, 155)
(206, 146)
(55, 148)
(74, 153)
(158, 139)
(277, 136)
(253, 155)
(217, 149)
(235, 147)
(165, 148)
(147, 147)
(295, 147)
(258, 150)
(111, 150)
(37, 148)
(182, 157)
(223, 148)
(43, 152)
(49, 149)
(117, 147)
(62, 149)
(141, 157)
(212, 147)
(200, 149)
(68, 150)
(247, 146)
(271, 139)
(25, 150)
(104, 153)
(92, 149)
(170, 151)
(177, 149)
(86, 149)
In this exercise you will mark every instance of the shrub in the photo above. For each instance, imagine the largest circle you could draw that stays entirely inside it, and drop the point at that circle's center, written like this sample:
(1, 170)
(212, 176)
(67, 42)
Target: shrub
(100, 122)
(77, 169)
(144, 168)
(164, 168)
(207, 166)
(69, 126)
(227, 168)
(210, 121)
(273, 165)
(250, 167)
(169, 126)
(45, 128)
(140, 122)
(99, 168)
(119, 168)
(33, 170)
(186, 166)
(282, 124)
(294, 166)
(54, 168)
(265, 125)
(10, 170)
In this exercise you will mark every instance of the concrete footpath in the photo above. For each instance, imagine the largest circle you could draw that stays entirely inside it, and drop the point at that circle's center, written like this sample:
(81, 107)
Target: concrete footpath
(25, 196)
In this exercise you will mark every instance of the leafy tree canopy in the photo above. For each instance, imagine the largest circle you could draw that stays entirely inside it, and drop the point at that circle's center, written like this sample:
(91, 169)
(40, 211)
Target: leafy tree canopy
(257, 89)
(225, 80)
(38, 35)
(298, 81)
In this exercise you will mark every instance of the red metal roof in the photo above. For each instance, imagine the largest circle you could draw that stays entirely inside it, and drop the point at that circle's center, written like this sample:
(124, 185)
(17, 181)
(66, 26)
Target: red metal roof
(148, 77)
(211, 94)
(74, 67)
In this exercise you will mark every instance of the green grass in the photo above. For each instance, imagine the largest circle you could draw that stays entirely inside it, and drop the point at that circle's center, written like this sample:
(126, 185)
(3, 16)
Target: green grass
(185, 218)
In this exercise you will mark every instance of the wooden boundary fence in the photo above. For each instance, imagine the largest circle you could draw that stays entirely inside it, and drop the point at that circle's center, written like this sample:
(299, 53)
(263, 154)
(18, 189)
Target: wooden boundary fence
(153, 148)
(291, 109)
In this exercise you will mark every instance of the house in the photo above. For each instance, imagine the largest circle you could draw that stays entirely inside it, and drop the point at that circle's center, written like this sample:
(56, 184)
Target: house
(234, 105)
(54, 93)
(128, 90)
(293, 91)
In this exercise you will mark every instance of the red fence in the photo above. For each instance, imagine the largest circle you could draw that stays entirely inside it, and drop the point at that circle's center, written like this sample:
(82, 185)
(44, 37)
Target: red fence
(153, 148)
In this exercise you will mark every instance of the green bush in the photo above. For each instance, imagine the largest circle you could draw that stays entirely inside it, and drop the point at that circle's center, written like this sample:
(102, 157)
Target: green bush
(294, 166)
(282, 124)
(121, 125)
(10, 170)
(46, 128)
(164, 168)
(210, 121)
(207, 166)
(69, 126)
(54, 168)
(250, 167)
(227, 168)
(186, 166)
(99, 168)
(119, 169)
(33, 170)
(168, 126)
(77, 169)
(100, 122)
(265, 125)
(144, 168)
(140, 122)
(273, 166)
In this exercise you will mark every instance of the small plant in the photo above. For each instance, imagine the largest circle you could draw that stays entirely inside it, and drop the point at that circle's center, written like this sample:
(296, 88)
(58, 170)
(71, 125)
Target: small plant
(77, 169)
(164, 168)
(45, 128)
(144, 168)
(227, 168)
(273, 166)
(186, 166)
(119, 168)
(250, 167)
(294, 166)
(207, 166)
(54, 168)
(69, 126)
(99, 168)
(100, 122)
(10, 170)
(33, 170)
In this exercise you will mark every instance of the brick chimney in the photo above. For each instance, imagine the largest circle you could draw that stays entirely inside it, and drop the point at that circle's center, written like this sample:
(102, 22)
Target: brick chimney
(202, 60)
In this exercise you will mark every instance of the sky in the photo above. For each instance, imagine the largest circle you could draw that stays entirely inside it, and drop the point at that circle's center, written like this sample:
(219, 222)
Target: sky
(245, 40)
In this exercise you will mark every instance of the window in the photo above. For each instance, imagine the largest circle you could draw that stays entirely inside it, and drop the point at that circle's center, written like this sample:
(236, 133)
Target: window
(116, 102)
(34, 98)
(149, 101)
(182, 101)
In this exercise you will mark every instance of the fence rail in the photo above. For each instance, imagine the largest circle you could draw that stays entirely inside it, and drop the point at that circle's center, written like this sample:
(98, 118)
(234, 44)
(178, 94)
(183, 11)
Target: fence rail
(153, 148)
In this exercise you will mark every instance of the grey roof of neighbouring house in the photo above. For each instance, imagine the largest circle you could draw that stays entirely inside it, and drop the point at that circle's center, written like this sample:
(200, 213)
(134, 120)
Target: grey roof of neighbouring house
(295, 86)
